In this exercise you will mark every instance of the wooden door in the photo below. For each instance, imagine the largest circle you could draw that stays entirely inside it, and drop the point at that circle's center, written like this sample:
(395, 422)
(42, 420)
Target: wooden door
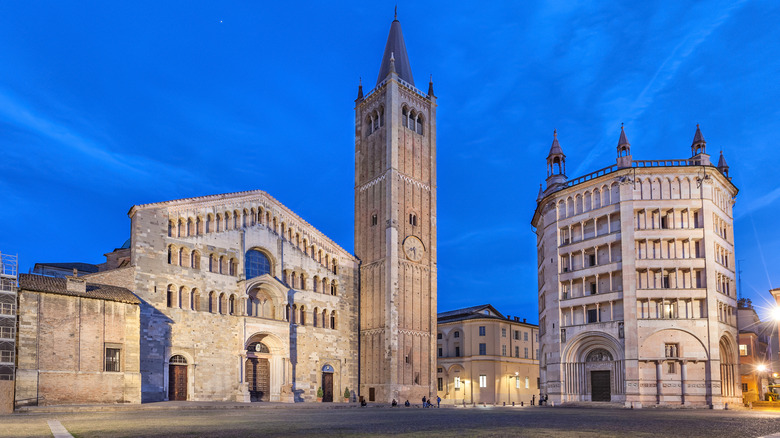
(177, 382)
(258, 378)
(599, 382)
(327, 387)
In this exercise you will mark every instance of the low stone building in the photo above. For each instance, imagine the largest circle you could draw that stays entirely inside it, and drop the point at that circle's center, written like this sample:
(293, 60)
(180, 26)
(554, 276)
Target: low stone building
(755, 356)
(484, 357)
(78, 342)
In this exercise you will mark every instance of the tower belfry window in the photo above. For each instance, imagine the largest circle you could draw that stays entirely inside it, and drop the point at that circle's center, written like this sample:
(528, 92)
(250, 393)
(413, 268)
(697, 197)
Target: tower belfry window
(412, 219)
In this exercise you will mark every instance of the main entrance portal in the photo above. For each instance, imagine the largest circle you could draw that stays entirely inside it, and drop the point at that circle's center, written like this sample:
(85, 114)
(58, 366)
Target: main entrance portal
(599, 383)
(258, 378)
(327, 383)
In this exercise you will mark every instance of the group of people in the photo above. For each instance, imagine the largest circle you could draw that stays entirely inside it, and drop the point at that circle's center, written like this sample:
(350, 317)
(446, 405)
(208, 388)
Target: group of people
(426, 402)
(542, 399)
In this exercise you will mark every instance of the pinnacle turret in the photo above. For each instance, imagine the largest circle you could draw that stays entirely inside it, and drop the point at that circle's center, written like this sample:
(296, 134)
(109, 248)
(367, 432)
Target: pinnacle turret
(723, 166)
(699, 145)
(623, 150)
(556, 163)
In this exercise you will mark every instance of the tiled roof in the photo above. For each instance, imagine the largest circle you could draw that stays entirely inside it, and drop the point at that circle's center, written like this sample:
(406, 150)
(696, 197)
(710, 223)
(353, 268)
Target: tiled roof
(39, 283)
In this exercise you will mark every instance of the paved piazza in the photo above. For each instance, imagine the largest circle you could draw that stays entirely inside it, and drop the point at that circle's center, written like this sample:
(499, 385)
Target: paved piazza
(270, 421)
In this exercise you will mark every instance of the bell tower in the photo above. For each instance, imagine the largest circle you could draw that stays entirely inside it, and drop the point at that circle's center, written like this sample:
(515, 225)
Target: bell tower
(395, 230)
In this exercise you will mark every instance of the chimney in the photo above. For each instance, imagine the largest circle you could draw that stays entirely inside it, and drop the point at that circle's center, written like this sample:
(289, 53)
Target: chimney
(75, 284)
(524, 320)
(508, 317)
(517, 319)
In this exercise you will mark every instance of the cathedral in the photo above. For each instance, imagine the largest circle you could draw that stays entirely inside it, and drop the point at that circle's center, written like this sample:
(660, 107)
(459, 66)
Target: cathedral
(240, 299)
(637, 296)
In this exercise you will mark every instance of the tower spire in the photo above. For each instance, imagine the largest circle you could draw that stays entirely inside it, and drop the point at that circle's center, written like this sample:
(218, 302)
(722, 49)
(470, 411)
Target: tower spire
(699, 145)
(556, 163)
(395, 48)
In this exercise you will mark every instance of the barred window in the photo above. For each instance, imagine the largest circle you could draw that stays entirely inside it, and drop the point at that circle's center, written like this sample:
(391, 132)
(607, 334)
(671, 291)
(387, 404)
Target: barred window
(112, 359)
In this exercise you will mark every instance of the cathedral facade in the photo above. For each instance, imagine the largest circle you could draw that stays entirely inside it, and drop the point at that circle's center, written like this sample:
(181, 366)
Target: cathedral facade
(637, 296)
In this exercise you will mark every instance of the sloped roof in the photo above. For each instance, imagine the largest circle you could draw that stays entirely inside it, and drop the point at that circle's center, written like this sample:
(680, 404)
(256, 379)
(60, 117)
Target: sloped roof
(483, 311)
(622, 140)
(396, 48)
(698, 137)
(555, 148)
(59, 286)
(83, 267)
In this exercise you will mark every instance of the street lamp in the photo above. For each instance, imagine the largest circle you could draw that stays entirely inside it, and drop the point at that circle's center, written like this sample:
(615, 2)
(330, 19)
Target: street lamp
(761, 368)
(775, 313)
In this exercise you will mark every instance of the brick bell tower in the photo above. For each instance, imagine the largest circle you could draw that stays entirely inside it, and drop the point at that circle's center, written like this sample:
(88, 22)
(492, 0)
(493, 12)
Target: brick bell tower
(395, 231)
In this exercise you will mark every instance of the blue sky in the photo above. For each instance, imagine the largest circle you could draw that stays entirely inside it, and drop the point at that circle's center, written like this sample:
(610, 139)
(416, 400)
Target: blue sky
(104, 105)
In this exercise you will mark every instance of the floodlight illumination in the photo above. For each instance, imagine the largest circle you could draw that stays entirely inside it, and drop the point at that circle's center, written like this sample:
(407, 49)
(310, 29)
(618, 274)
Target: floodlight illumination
(761, 368)
(776, 313)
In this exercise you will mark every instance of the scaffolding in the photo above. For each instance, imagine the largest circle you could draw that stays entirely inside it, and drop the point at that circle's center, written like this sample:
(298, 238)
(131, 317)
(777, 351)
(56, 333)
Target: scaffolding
(9, 271)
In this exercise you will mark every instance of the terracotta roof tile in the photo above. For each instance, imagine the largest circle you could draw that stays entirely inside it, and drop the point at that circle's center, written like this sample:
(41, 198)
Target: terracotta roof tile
(40, 283)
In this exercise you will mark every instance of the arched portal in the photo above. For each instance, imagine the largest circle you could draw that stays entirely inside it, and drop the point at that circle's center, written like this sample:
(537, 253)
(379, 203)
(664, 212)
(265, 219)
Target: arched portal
(593, 368)
(177, 378)
(257, 369)
(327, 383)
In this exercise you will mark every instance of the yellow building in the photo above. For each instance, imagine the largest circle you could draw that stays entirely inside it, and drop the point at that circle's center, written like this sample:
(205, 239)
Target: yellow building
(484, 357)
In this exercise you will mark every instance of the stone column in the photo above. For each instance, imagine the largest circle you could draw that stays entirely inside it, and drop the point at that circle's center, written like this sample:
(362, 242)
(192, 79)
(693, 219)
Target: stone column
(683, 379)
(659, 384)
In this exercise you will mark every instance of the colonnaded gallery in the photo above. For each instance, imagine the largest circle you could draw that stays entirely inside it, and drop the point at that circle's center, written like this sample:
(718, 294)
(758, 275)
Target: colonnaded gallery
(242, 299)
(637, 299)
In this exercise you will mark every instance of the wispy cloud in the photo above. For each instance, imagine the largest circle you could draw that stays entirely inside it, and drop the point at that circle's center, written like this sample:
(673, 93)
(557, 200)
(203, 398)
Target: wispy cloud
(759, 203)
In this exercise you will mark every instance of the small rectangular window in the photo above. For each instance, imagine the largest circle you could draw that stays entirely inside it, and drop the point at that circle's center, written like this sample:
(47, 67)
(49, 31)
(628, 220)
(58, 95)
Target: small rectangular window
(457, 351)
(438, 336)
(517, 351)
(440, 370)
(482, 381)
(503, 350)
(439, 384)
(525, 336)
(517, 334)
(526, 352)
(592, 316)
(112, 360)
(503, 332)
(526, 383)
(482, 349)
(440, 352)
(517, 382)
(457, 383)
(671, 368)
(482, 330)
(743, 350)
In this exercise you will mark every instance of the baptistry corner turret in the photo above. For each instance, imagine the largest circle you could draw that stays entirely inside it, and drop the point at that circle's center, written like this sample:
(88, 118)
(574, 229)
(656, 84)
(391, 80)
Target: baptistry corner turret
(699, 148)
(556, 164)
(430, 89)
(623, 150)
(722, 166)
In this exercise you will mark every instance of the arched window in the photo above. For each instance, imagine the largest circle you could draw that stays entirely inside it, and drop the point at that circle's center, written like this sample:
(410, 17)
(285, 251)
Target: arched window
(232, 305)
(190, 228)
(315, 283)
(257, 347)
(195, 260)
(182, 293)
(419, 125)
(333, 287)
(333, 320)
(221, 309)
(256, 264)
(170, 297)
(209, 223)
(404, 116)
(233, 266)
(212, 302)
(181, 228)
(195, 300)
(178, 360)
(325, 318)
(198, 225)
(412, 219)
(171, 226)
(302, 319)
(170, 254)
(456, 334)
(219, 223)
(314, 317)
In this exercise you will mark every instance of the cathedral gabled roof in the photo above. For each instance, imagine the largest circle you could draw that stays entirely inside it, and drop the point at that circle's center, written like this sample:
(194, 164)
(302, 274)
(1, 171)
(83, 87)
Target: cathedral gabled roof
(396, 49)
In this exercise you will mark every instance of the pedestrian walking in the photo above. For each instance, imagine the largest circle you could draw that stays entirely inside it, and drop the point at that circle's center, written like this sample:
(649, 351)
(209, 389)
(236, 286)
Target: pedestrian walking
(438, 401)
(533, 399)
(424, 400)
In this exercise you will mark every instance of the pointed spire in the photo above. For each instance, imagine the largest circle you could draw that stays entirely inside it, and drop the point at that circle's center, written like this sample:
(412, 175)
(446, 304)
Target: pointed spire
(722, 161)
(360, 89)
(395, 44)
(555, 148)
(430, 88)
(541, 193)
(699, 145)
(623, 141)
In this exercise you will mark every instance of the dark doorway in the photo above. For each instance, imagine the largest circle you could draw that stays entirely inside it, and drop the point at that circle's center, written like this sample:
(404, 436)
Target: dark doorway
(327, 387)
(177, 382)
(599, 382)
(258, 379)
(371, 394)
